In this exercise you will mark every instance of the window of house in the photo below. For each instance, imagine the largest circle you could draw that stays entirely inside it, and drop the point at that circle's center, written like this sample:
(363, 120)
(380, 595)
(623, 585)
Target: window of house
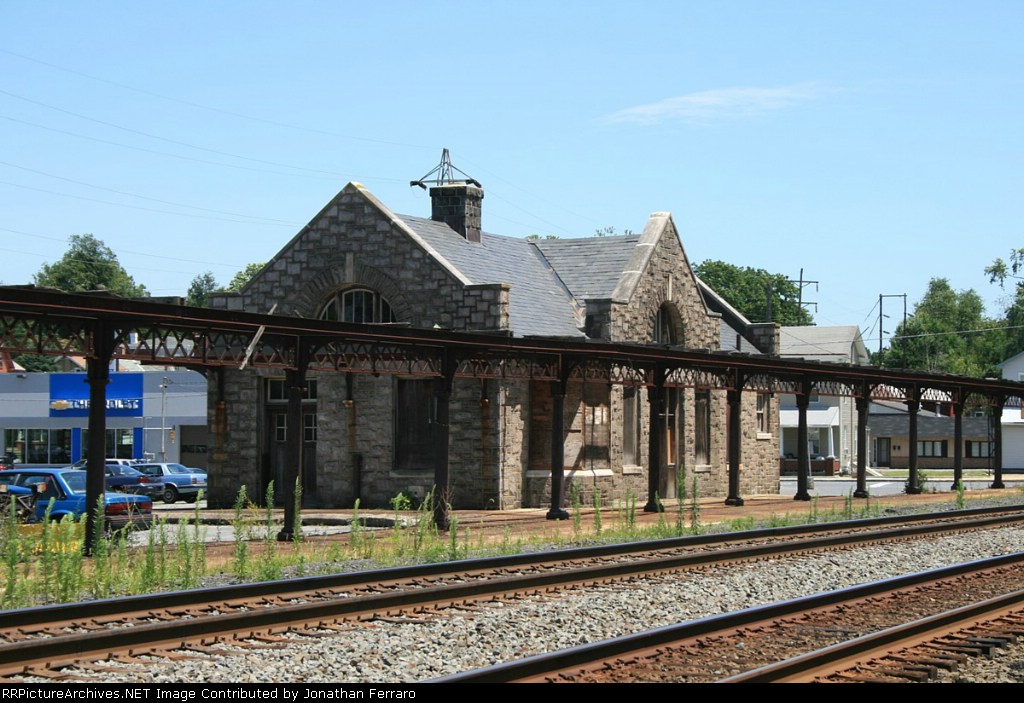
(702, 427)
(630, 426)
(281, 427)
(596, 426)
(277, 390)
(980, 449)
(357, 305)
(664, 331)
(762, 413)
(415, 414)
(309, 427)
(935, 448)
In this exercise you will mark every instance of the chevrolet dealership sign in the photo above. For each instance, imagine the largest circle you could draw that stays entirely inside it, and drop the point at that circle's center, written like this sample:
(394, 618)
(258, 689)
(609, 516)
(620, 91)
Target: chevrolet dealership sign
(69, 395)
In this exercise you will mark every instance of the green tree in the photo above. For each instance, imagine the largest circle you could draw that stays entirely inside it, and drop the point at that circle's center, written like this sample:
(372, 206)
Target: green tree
(89, 264)
(200, 289)
(748, 290)
(243, 277)
(1013, 316)
(999, 270)
(947, 333)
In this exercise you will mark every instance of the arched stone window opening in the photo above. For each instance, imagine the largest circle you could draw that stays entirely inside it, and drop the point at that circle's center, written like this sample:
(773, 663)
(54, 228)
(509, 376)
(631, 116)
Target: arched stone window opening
(357, 305)
(667, 326)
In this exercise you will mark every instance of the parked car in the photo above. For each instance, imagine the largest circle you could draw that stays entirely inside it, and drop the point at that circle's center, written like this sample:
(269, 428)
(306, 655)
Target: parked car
(80, 464)
(122, 477)
(179, 482)
(67, 489)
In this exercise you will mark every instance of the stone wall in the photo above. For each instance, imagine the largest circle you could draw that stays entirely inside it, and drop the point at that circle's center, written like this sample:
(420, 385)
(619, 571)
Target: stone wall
(500, 445)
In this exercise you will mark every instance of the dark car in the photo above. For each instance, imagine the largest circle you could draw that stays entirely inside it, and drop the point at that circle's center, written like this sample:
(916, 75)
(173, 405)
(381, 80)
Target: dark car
(121, 477)
(126, 480)
(6, 462)
(66, 487)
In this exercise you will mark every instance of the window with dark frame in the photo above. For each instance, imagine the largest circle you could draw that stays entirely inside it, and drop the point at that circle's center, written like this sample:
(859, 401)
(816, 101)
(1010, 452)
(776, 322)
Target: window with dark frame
(702, 427)
(360, 305)
(980, 450)
(933, 448)
(762, 413)
(630, 426)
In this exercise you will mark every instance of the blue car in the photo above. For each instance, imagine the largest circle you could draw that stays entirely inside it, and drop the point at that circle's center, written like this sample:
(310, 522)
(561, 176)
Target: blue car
(67, 489)
(178, 482)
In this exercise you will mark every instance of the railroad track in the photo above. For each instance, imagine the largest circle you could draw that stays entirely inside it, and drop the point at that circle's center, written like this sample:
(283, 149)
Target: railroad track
(47, 641)
(901, 629)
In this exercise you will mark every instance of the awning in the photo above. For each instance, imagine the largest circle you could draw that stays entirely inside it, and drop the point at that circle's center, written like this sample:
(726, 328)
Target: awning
(823, 417)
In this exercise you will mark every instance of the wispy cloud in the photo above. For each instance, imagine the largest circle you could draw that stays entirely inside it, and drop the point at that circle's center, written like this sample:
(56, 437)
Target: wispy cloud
(710, 105)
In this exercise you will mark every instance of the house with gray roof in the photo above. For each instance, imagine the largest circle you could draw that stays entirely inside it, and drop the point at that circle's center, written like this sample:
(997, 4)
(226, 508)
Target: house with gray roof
(831, 420)
(369, 438)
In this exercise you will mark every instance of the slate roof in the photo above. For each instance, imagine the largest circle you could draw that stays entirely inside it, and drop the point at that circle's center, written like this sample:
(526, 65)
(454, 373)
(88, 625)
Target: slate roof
(732, 325)
(823, 343)
(539, 304)
(897, 425)
(589, 267)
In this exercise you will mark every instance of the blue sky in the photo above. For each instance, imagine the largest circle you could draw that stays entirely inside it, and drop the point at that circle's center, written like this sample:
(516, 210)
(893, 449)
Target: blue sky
(872, 144)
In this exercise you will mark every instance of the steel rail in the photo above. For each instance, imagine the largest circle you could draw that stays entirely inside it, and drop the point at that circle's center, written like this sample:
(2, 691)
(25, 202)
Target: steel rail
(837, 657)
(538, 667)
(978, 518)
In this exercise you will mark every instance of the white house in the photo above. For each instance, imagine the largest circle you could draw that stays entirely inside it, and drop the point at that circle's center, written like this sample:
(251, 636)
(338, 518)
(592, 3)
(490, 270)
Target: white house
(1013, 418)
(831, 420)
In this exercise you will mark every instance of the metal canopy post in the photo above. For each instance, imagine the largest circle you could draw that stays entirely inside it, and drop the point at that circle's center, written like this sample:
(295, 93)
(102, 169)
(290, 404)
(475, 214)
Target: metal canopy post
(734, 397)
(295, 379)
(863, 403)
(443, 396)
(803, 399)
(655, 437)
(958, 440)
(913, 405)
(997, 440)
(558, 391)
(98, 376)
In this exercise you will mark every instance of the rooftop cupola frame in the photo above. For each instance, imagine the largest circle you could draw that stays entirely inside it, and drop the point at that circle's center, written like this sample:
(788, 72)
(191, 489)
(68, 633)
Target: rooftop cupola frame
(455, 198)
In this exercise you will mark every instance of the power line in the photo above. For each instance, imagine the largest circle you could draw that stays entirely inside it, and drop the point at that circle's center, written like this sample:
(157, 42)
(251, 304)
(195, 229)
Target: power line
(211, 108)
(144, 197)
(176, 142)
(146, 209)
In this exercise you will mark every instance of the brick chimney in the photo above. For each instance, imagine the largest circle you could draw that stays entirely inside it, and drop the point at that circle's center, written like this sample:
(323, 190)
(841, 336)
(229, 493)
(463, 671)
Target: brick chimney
(458, 205)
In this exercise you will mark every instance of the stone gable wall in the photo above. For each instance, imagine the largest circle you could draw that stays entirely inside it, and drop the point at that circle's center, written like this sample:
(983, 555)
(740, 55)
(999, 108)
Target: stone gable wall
(352, 243)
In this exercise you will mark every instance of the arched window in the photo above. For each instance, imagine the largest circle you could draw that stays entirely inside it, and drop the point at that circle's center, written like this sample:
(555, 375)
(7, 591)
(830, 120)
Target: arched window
(357, 305)
(664, 329)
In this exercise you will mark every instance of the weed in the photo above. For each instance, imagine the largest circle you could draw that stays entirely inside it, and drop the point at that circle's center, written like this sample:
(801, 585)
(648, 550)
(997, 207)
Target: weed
(961, 501)
(242, 532)
(12, 553)
(453, 539)
(297, 514)
(695, 526)
(597, 511)
(577, 514)
(922, 483)
(270, 567)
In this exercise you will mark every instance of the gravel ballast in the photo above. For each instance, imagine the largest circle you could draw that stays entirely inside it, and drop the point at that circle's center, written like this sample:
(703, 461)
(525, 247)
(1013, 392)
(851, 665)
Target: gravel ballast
(417, 650)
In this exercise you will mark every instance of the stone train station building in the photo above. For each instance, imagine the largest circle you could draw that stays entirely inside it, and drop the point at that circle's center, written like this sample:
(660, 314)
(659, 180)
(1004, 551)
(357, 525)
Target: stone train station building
(370, 437)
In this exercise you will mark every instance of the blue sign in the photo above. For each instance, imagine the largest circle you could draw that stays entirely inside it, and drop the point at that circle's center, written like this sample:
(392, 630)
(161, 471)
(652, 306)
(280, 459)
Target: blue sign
(69, 395)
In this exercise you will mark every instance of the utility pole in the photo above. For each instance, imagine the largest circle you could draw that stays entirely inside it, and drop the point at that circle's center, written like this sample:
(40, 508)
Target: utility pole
(163, 418)
(881, 317)
(800, 287)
